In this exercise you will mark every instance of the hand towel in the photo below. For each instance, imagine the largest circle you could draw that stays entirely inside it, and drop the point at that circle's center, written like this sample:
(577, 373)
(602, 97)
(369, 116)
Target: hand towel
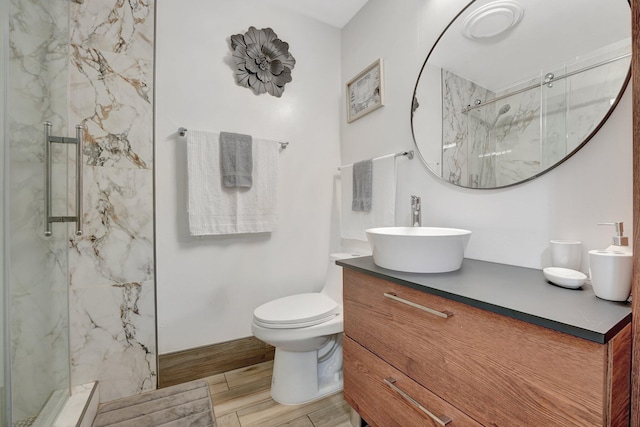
(383, 200)
(216, 209)
(362, 181)
(236, 159)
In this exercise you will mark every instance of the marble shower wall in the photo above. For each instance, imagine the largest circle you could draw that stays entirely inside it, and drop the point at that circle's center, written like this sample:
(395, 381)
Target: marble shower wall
(95, 69)
(461, 134)
(112, 265)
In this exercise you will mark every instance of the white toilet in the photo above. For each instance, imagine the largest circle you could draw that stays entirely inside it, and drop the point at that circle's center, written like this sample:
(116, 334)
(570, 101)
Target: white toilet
(306, 330)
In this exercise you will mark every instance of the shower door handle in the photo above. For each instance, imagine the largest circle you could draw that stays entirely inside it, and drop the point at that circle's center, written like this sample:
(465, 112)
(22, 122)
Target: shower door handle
(48, 140)
(79, 179)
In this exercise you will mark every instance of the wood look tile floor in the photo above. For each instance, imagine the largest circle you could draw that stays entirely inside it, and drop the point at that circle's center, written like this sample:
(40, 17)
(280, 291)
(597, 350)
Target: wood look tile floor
(241, 398)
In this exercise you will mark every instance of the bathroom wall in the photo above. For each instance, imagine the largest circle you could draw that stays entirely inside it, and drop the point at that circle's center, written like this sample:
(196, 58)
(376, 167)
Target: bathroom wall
(511, 225)
(111, 267)
(208, 287)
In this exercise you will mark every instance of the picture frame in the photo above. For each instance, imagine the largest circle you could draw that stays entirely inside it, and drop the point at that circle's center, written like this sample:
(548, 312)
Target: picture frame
(365, 92)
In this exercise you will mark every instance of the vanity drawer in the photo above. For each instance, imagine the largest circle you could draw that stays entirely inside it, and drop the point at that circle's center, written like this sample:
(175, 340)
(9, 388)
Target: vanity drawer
(368, 390)
(499, 371)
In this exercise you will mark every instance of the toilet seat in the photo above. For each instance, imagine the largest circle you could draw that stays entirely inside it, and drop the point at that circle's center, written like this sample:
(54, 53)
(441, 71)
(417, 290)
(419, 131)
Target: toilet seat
(296, 311)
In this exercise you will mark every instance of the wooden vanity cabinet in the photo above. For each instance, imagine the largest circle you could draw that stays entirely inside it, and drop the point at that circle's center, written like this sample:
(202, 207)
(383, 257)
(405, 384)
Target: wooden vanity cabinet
(464, 366)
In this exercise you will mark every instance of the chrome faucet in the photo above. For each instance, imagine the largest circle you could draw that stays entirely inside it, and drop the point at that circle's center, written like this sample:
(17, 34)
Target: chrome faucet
(416, 213)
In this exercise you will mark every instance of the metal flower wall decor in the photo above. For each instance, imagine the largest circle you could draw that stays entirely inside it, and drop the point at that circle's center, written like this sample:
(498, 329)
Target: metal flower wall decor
(263, 62)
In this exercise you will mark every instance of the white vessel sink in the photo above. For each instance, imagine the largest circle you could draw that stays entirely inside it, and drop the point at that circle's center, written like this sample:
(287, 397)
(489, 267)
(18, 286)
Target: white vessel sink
(418, 249)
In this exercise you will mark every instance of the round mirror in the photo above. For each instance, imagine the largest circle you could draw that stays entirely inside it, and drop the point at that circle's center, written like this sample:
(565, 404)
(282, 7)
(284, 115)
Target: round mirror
(512, 88)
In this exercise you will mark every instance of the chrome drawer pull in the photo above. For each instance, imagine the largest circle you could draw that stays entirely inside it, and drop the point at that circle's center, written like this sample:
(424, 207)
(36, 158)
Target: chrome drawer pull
(443, 420)
(394, 297)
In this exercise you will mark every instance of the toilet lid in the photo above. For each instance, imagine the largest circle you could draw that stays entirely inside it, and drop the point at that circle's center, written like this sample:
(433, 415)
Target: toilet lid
(296, 311)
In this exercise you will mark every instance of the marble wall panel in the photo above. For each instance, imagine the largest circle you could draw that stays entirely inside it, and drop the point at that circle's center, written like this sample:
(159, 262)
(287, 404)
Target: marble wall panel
(112, 98)
(116, 26)
(459, 149)
(117, 245)
(113, 338)
(112, 265)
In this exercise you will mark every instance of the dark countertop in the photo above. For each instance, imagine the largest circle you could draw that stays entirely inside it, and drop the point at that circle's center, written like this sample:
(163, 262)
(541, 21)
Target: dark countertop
(517, 292)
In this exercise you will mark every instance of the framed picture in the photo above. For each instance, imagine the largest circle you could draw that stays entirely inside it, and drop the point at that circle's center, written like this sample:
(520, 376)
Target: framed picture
(365, 92)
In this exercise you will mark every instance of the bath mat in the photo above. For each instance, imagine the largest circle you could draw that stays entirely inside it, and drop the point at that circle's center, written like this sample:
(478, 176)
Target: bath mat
(182, 405)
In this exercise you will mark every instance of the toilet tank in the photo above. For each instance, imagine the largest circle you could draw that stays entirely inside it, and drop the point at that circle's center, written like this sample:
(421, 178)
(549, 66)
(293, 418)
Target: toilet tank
(333, 280)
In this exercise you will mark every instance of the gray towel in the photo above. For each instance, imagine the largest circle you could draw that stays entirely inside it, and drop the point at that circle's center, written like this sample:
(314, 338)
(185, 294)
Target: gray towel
(362, 186)
(236, 159)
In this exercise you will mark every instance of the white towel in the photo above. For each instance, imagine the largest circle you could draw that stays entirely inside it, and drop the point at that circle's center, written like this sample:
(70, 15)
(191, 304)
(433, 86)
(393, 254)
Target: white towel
(383, 200)
(215, 209)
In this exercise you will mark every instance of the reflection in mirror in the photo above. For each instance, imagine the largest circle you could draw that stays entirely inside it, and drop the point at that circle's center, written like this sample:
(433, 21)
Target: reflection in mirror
(513, 88)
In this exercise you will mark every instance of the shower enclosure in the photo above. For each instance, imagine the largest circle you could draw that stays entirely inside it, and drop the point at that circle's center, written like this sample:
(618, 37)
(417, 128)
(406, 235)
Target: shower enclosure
(34, 90)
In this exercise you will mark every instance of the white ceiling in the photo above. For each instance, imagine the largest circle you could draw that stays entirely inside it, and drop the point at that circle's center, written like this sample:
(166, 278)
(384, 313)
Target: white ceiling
(333, 12)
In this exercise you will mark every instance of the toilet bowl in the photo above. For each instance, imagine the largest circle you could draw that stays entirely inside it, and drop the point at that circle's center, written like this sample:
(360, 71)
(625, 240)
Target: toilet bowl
(306, 330)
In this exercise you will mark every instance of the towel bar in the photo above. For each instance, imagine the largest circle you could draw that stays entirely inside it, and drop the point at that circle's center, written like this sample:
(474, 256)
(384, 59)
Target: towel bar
(408, 154)
(283, 145)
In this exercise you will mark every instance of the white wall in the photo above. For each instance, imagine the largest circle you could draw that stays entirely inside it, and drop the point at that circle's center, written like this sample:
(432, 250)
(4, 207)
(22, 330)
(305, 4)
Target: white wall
(511, 225)
(207, 288)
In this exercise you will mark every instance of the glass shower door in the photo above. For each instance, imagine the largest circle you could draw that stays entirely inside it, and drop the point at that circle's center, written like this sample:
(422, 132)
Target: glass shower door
(37, 276)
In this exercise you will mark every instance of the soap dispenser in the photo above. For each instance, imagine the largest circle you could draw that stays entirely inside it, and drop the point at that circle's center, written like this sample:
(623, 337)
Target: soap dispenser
(611, 269)
(619, 243)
